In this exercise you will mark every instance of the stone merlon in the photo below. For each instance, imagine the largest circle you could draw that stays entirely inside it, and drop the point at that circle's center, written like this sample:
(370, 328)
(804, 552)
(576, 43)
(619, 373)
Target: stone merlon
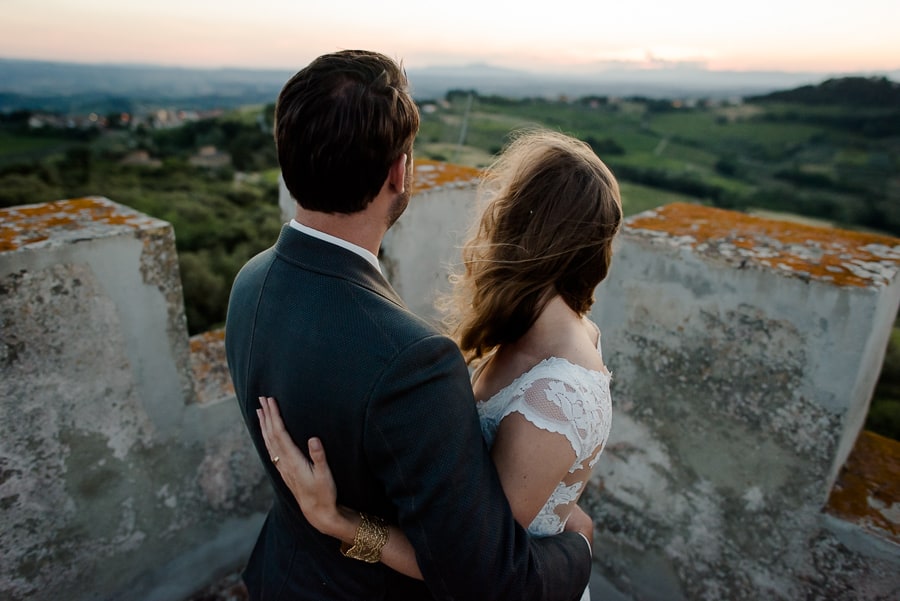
(845, 258)
(433, 174)
(37, 226)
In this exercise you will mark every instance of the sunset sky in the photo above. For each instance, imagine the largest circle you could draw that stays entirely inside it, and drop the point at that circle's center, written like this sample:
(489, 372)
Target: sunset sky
(790, 35)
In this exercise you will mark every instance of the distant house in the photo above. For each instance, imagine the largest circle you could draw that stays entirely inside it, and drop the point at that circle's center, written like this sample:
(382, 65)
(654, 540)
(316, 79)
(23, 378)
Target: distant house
(211, 157)
(141, 158)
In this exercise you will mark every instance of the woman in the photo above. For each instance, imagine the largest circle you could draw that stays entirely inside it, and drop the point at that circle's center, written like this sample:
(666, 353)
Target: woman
(542, 245)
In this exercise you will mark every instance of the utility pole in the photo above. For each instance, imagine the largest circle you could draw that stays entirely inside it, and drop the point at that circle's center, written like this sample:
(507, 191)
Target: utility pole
(464, 128)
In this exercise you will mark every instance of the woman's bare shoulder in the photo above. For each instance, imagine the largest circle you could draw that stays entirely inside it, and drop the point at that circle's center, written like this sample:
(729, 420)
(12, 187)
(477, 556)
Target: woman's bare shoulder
(578, 344)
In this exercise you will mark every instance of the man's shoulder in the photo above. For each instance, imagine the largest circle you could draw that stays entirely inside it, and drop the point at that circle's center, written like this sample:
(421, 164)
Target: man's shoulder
(256, 266)
(351, 297)
(401, 324)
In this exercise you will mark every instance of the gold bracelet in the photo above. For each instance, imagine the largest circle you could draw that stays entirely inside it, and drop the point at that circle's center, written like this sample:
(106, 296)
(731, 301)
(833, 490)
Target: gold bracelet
(370, 538)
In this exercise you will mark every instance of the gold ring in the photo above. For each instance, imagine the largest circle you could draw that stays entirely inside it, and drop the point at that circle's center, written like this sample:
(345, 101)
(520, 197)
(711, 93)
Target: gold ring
(275, 459)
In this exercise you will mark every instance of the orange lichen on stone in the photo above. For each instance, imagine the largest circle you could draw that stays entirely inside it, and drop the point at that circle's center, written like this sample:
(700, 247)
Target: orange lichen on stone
(212, 380)
(843, 257)
(867, 491)
(435, 174)
(31, 224)
(202, 341)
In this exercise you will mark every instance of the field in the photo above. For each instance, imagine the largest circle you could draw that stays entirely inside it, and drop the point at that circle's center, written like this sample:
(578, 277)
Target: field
(18, 147)
(744, 156)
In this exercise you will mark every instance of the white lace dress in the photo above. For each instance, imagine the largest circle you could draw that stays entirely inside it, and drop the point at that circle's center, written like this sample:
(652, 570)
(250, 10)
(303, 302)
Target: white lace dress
(570, 400)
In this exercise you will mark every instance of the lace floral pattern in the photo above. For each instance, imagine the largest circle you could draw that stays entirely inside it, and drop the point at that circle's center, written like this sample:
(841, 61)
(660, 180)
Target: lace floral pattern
(547, 521)
(562, 397)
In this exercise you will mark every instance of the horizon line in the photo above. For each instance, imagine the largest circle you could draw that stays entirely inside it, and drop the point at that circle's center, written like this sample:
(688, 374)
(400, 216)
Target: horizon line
(570, 69)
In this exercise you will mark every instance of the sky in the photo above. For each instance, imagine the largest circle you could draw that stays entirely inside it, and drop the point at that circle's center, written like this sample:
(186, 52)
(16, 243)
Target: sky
(826, 36)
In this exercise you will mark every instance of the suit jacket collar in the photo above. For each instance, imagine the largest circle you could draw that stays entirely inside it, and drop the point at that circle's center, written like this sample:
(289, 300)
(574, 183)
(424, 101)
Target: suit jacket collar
(323, 257)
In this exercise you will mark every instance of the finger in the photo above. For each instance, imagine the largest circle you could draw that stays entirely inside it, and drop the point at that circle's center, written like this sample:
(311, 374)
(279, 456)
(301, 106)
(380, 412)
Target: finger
(277, 432)
(274, 425)
(271, 446)
(262, 422)
(274, 415)
(317, 451)
(279, 441)
(319, 461)
(265, 424)
(263, 413)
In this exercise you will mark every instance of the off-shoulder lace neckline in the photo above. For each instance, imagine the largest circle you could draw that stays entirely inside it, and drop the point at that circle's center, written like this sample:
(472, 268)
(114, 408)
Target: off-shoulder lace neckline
(605, 373)
(548, 361)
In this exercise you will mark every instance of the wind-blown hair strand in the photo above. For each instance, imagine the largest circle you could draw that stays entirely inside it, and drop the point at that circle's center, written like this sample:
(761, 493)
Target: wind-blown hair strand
(552, 210)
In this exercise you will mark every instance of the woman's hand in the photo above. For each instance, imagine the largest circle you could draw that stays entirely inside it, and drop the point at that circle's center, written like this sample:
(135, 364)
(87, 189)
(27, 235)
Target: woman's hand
(313, 486)
(310, 482)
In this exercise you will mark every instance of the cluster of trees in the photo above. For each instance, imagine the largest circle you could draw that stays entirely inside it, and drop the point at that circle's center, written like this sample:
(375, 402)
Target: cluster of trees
(863, 92)
(220, 218)
(884, 413)
(246, 137)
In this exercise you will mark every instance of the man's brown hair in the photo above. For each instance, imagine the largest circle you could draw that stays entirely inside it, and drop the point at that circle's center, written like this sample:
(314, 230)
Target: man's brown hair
(339, 125)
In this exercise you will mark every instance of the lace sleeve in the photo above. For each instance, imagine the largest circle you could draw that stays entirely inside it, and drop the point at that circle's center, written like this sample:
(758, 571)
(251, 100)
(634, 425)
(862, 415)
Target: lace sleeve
(573, 407)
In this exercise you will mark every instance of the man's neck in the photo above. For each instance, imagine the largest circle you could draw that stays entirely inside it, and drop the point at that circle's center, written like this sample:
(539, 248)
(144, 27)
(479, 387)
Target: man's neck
(364, 229)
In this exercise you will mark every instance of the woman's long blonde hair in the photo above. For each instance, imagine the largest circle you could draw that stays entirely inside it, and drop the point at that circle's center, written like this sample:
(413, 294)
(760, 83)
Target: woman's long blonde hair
(552, 210)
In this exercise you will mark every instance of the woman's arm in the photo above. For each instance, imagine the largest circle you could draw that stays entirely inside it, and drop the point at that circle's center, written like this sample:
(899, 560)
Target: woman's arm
(531, 462)
(313, 487)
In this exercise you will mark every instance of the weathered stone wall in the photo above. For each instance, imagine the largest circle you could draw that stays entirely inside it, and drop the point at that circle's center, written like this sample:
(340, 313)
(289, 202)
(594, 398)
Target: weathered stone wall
(744, 354)
(424, 246)
(115, 482)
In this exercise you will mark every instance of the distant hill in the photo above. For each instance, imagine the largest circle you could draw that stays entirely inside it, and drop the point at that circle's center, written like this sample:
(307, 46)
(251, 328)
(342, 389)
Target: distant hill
(70, 87)
(73, 87)
(846, 91)
(40, 78)
(869, 106)
(604, 80)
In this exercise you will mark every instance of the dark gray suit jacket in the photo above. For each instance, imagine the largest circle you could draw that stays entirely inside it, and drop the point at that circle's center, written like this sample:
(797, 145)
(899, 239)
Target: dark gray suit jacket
(317, 327)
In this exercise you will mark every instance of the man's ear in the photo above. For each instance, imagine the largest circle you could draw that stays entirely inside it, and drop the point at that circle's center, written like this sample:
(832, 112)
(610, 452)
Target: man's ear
(397, 174)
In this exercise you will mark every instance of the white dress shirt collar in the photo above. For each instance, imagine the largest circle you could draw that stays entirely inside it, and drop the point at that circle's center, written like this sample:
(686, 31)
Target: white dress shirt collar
(362, 252)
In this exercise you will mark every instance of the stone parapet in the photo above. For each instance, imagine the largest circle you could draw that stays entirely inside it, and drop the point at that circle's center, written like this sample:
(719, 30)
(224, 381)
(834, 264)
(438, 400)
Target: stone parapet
(867, 491)
(421, 250)
(115, 483)
(744, 352)
(212, 380)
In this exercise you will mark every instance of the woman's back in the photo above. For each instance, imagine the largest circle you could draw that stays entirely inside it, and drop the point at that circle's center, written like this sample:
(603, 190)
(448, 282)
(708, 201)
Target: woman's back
(545, 411)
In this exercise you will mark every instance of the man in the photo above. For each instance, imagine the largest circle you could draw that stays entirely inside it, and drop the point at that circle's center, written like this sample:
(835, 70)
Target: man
(313, 322)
